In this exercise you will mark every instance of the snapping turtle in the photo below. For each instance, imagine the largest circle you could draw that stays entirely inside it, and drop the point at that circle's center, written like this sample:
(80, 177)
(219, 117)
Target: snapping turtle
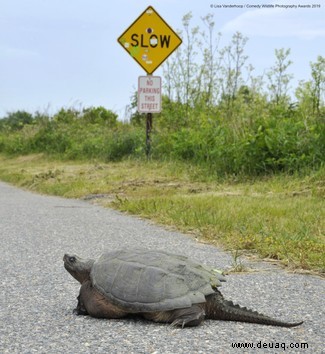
(157, 285)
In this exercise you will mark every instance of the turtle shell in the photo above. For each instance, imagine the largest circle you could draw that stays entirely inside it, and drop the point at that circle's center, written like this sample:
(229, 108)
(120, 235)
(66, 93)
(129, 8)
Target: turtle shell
(146, 281)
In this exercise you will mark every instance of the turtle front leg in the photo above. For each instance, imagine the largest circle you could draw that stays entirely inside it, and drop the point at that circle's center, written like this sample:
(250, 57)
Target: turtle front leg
(92, 302)
(80, 309)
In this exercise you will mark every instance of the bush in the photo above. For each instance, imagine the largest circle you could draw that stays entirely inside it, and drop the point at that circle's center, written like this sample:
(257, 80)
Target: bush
(15, 121)
(268, 146)
(278, 141)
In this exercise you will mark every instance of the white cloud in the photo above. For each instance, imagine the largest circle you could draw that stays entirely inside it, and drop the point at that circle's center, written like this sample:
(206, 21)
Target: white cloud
(277, 22)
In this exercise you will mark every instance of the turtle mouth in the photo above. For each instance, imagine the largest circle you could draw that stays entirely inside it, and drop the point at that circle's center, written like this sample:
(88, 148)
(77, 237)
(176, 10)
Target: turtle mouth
(69, 263)
(69, 259)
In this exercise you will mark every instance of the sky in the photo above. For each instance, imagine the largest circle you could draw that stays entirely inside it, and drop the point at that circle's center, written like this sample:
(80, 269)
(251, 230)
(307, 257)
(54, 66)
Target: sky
(61, 53)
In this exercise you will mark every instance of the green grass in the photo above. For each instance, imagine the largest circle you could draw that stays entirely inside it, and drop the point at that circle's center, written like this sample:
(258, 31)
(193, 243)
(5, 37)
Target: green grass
(280, 217)
(278, 227)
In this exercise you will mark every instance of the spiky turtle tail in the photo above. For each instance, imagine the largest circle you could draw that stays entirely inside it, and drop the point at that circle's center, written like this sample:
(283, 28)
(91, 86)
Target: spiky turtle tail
(217, 308)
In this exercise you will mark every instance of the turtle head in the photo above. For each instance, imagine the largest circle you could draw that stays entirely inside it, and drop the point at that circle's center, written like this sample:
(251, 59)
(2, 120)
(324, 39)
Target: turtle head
(78, 267)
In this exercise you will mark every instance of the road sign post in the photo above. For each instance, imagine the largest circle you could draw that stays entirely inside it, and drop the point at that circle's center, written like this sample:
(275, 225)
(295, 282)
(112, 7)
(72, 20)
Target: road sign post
(148, 134)
(149, 40)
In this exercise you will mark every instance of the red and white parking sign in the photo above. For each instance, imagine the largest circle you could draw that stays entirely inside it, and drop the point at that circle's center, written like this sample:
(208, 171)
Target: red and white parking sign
(149, 94)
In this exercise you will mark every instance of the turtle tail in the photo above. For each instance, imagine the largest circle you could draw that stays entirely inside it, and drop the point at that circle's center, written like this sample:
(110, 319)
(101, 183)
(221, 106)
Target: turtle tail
(217, 308)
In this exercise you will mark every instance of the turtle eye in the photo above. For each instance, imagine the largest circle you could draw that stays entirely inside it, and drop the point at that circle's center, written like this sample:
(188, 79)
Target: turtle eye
(72, 259)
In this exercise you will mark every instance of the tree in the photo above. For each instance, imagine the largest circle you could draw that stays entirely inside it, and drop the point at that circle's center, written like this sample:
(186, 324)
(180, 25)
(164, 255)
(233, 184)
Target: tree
(211, 62)
(233, 59)
(279, 78)
(317, 83)
(180, 71)
(310, 94)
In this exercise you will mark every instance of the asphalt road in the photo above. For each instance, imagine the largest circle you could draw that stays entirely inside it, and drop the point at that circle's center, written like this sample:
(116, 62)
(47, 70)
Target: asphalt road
(37, 295)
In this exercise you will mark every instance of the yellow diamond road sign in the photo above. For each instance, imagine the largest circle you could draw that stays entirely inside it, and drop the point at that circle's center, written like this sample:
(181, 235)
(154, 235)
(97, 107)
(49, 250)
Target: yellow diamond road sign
(149, 40)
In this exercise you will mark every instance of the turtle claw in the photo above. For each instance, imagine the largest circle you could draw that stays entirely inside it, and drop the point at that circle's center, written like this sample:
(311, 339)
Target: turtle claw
(178, 323)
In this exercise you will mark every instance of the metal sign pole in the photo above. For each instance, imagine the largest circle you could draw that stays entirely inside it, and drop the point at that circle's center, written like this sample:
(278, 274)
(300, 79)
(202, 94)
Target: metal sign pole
(148, 131)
